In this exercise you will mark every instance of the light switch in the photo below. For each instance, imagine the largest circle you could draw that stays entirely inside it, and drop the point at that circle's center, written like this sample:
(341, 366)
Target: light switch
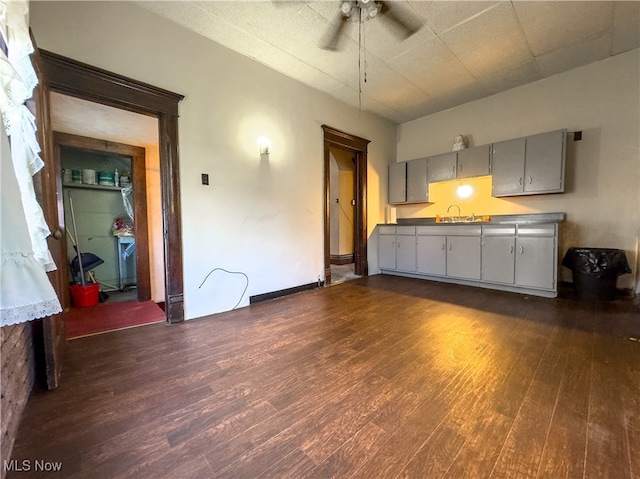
(205, 179)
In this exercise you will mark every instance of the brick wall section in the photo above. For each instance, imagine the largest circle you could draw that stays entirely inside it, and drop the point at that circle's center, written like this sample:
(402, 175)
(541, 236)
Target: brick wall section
(17, 377)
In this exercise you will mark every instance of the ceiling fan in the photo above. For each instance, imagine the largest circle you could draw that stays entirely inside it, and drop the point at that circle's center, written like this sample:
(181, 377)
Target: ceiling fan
(358, 11)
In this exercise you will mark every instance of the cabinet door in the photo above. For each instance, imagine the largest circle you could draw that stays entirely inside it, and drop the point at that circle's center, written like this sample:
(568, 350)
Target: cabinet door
(463, 257)
(474, 161)
(387, 251)
(398, 182)
(544, 164)
(507, 167)
(405, 253)
(431, 255)
(442, 167)
(417, 185)
(535, 262)
(498, 259)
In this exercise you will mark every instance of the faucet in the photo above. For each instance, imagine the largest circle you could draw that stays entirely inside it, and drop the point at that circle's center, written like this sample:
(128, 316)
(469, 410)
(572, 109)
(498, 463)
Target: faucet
(459, 214)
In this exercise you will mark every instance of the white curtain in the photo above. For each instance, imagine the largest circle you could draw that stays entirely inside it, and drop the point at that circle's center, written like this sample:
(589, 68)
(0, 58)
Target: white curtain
(25, 290)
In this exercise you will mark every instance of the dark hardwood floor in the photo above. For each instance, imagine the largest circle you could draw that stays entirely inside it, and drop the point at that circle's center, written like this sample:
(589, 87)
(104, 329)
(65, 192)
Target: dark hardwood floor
(378, 377)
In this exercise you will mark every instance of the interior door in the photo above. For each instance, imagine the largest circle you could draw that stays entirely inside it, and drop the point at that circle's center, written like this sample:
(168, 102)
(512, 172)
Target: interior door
(45, 184)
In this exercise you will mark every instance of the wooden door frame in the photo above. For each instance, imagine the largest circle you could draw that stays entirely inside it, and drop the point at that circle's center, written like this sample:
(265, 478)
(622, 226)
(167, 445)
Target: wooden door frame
(334, 138)
(80, 80)
(138, 170)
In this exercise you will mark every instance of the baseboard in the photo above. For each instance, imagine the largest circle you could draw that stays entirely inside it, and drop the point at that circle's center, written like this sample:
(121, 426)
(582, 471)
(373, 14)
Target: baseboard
(341, 258)
(283, 292)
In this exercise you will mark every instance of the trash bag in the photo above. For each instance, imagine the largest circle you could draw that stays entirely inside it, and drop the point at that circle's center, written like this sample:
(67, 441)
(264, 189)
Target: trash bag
(597, 262)
(595, 271)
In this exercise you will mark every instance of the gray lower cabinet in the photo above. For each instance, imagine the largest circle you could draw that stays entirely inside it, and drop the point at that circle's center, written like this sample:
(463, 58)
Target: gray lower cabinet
(498, 254)
(387, 247)
(397, 248)
(528, 166)
(452, 251)
(398, 182)
(519, 258)
(406, 248)
(463, 256)
(431, 253)
(536, 257)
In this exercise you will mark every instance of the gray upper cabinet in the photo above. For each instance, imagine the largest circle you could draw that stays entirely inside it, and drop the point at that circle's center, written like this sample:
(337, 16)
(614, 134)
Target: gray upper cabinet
(531, 165)
(417, 183)
(442, 167)
(474, 161)
(398, 182)
(507, 167)
(544, 162)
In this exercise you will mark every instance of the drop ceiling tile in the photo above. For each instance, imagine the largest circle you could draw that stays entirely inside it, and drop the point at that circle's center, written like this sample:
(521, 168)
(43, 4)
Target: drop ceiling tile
(626, 27)
(349, 96)
(262, 19)
(420, 109)
(191, 16)
(462, 95)
(432, 68)
(526, 73)
(440, 16)
(549, 26)
(488, 42)
(295, 68)
(575, 55)
(384, 43)
(389, 88)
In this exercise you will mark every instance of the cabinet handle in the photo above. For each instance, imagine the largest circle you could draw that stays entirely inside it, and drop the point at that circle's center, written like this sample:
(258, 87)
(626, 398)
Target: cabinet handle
(454, 169)
(459, 167)
(450, 246)
(442, 246)
(511, 249)
(530, 180)
(521, 249)
(520, 181)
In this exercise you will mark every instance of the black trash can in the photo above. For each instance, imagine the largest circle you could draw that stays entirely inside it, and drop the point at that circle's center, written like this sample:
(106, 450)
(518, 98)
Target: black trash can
(595, 271)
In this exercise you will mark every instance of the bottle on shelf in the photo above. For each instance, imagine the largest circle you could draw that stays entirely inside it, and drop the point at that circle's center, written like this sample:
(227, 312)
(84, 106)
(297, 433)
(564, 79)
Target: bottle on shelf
(116, 178)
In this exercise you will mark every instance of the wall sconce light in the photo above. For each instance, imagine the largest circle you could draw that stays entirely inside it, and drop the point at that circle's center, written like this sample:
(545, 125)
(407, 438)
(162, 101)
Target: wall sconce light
(464, 191)
(265, 145)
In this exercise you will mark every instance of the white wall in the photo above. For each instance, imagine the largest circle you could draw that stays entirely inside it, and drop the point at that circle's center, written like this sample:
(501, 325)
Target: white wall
(602, 199)
(261, 218)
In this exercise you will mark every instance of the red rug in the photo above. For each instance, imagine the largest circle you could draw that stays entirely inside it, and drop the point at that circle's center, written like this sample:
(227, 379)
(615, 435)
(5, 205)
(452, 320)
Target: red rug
(105, 317)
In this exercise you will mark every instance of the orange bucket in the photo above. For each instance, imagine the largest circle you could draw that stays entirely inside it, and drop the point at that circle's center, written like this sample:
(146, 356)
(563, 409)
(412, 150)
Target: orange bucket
(84, 296)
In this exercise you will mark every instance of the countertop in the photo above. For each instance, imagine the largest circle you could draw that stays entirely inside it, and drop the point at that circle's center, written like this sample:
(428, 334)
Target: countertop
(528, 219)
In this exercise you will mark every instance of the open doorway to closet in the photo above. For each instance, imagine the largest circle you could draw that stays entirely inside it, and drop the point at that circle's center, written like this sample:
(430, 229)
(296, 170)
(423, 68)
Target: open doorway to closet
(345, 212)
(107, 181)
(107, 166)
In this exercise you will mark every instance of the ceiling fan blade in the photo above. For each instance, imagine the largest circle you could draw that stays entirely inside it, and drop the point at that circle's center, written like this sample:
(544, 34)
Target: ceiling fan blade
(403, 25)
(332, 40)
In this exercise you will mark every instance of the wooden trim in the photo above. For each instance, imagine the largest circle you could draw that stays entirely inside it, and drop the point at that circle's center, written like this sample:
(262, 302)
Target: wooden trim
(81, 80)
(342, 258)
(139, 172)
(283, 292)
(87, 82)
(334, 138)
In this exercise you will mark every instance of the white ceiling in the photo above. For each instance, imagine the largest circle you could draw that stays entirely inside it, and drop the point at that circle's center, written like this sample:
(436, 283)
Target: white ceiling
(465, 51)
(85, 118)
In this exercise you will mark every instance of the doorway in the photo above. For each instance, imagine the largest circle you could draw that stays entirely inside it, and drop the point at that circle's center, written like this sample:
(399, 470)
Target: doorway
(108, 181)
(352, 149)
(342, 214)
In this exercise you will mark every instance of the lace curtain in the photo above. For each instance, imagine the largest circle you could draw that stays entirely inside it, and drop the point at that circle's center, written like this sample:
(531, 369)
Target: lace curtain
(25, 290)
